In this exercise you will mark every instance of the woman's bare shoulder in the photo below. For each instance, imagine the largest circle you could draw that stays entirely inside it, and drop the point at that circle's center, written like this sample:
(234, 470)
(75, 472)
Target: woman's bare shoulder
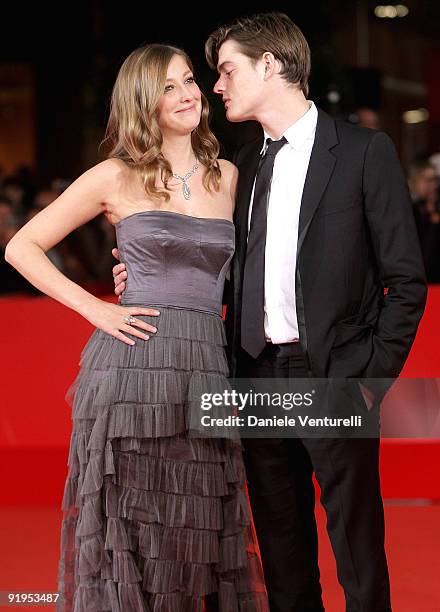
(112, 169)
(227, 167)
(229, 179)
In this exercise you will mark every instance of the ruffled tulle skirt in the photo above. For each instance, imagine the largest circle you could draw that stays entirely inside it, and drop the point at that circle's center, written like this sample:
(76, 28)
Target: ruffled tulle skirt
(155, 519)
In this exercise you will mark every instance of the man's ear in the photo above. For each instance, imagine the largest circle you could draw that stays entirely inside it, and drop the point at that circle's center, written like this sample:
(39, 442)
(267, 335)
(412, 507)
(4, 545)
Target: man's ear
(271, 65)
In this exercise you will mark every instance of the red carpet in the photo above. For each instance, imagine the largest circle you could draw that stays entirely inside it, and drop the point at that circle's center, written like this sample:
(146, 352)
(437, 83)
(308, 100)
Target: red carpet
(30, 542)
(41, 345)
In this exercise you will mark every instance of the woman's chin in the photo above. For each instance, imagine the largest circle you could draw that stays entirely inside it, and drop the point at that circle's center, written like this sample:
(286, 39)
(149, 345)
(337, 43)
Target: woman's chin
(188, 126)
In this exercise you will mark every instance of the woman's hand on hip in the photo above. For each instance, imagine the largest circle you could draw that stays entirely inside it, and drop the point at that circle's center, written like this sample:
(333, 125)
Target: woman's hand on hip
(121, 320)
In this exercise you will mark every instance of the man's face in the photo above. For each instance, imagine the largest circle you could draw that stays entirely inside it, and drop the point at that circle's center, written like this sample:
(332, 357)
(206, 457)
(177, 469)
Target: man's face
(240, 83)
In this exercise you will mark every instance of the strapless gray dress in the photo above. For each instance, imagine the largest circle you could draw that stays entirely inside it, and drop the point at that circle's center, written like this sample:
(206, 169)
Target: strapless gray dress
(155, 519)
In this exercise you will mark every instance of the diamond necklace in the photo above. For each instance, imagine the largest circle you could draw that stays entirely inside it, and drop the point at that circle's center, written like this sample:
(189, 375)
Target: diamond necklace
(185, 187)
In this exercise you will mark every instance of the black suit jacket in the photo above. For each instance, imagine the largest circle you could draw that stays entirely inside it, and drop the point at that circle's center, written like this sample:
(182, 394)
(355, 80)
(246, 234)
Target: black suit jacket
(356, 236)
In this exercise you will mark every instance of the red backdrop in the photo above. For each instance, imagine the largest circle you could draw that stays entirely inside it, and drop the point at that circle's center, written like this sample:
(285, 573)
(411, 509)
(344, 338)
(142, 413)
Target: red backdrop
(41, 344)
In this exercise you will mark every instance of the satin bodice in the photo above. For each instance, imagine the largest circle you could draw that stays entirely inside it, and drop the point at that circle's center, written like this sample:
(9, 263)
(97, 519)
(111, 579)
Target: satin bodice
(174, 259)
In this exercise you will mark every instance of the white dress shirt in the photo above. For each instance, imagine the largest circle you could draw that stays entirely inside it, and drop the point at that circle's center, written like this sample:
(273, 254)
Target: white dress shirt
(289, 174)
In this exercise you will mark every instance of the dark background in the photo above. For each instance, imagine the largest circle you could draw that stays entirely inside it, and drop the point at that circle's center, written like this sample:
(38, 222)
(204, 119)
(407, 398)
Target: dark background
(70, 54)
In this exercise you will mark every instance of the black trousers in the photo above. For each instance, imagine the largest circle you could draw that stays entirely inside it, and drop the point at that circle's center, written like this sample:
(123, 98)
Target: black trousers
(282, 497)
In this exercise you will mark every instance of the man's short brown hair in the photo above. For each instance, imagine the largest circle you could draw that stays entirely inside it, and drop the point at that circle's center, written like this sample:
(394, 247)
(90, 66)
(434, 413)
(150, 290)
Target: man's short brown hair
(257, 34)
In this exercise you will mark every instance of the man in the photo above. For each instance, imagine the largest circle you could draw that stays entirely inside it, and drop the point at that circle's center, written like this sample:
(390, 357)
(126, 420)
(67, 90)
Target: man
(323, 225)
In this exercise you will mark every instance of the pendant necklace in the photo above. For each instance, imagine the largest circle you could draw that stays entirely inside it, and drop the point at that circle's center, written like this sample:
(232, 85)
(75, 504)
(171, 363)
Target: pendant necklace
(185, 187)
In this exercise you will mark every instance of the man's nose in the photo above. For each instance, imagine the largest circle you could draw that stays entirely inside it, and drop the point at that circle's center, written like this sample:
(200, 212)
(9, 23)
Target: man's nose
(218, 87)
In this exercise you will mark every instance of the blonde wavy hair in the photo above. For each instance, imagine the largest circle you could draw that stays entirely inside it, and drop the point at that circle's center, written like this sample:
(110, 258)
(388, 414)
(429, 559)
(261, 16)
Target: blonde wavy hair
(133, 133)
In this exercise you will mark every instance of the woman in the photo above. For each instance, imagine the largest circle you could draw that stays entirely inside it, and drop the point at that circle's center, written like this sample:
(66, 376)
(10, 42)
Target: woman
(154, 519)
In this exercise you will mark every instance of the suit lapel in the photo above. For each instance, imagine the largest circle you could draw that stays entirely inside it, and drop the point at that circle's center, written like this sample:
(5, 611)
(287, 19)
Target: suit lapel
(320, 169)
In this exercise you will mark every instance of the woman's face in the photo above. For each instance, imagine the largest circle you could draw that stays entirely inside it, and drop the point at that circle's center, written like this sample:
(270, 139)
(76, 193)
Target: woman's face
(181, 104)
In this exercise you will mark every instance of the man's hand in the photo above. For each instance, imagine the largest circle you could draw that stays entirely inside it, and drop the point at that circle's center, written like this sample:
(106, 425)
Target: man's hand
(119, 275)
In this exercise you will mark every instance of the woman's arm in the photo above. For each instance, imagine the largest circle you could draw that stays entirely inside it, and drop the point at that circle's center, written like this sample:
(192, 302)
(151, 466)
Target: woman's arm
(83, 200)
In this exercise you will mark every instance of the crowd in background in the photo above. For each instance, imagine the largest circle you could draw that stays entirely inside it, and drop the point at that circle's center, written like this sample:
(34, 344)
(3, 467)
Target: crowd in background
(85, 256)
(423, 180)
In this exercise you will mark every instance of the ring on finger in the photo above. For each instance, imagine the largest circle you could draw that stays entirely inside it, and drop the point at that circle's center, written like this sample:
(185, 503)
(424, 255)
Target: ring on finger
(129, 320)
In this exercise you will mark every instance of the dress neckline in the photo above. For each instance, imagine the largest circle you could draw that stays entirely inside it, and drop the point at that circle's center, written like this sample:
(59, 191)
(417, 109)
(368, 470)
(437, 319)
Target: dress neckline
(171, 212)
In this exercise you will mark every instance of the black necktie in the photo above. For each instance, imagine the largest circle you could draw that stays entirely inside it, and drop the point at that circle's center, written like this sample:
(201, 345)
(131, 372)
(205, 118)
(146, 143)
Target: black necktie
(253, 338)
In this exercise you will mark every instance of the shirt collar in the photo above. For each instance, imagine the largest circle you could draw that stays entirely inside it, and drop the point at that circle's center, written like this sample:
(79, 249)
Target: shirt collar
(300, 131)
